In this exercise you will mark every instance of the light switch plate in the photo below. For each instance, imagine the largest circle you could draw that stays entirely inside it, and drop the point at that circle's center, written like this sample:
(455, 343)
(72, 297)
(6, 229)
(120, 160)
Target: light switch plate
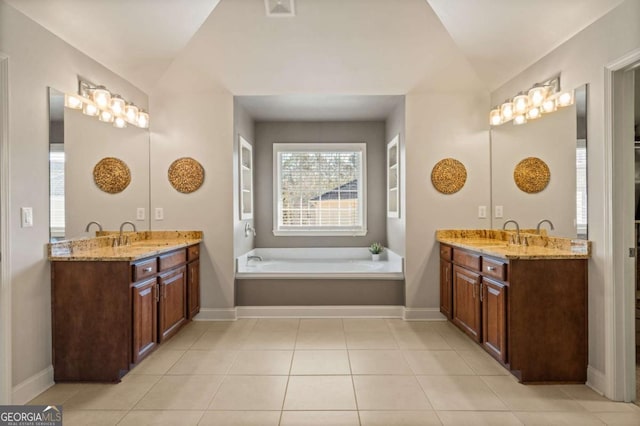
(159, 213)
(498, 211)
(482, 212)
(26, 215)
(140, 213)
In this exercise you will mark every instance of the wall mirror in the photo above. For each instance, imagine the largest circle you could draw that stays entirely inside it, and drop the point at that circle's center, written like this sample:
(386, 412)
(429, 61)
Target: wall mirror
(560, 140)
(76, 144)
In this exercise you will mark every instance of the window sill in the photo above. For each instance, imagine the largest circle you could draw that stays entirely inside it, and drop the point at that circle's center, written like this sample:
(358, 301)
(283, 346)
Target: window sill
(323, 233)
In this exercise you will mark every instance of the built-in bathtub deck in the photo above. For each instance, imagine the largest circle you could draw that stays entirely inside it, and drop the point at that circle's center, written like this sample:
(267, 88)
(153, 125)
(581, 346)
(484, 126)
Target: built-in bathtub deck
(318, 276)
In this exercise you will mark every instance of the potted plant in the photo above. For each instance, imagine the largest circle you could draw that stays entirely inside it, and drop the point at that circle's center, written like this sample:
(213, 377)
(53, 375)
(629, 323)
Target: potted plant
(376, 249)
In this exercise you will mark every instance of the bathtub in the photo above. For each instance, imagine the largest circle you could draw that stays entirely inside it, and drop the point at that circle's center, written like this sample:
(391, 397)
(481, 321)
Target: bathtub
(319, 263)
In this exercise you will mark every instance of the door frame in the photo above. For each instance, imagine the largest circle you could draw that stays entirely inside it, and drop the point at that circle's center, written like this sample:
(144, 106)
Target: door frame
(5, 260)
(619, 288)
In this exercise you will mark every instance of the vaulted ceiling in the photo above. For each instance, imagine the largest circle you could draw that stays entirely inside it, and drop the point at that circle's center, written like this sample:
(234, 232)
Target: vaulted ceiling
(331, 46)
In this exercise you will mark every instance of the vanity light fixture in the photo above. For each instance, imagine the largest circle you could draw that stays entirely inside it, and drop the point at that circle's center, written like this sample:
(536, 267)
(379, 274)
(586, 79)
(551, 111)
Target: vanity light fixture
(98, 101)
(542, 98)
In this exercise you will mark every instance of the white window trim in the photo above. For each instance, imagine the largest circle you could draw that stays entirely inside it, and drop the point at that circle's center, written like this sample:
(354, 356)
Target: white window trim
(316, 147)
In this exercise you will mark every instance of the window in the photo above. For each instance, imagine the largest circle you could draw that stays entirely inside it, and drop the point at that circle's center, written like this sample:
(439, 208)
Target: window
(319, 189)
(56, 177)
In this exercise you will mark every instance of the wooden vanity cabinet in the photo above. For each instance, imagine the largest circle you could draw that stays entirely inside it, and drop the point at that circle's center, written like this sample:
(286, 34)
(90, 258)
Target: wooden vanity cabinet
(446, 288)
(529, 314)
(109, 315)
(193, 281)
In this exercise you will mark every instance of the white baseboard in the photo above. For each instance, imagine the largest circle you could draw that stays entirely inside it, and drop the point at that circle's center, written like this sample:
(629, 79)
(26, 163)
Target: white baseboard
(320, 311)
(423, 314)
(220, 314)
(596, 380)
(33, 386)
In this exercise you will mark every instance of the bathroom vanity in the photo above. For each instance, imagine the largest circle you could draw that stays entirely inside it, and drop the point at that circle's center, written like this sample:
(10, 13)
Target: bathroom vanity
(525, 305)
(112, 306)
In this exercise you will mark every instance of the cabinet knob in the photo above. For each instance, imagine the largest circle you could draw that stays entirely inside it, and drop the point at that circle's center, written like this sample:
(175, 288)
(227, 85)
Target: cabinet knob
(491, 268)
(148, 269)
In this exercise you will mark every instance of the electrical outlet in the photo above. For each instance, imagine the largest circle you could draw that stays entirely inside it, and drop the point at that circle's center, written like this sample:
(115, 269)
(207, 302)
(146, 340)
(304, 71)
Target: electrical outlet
(26, 215)
(482, 212)
(159, 213)
(140, 213)
(498, 212)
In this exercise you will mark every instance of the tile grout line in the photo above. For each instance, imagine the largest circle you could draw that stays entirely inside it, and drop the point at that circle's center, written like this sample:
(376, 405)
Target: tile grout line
(286, 388)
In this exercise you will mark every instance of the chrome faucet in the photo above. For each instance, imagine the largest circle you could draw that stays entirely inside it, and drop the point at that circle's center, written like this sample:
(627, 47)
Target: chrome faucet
(504, 227)
(543, 221)
(248, 229)
(253, 257)
(93, 222)
(122, 240)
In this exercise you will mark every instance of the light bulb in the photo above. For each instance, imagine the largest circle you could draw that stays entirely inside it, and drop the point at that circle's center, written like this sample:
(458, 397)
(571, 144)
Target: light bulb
(519, 119)
(143, 120)
(533, 113)
(506, 111)
(131, 111)
(90, 109)
(494, 117)
(565, 99)
(520, 104)
(101, 97)
(549, 106)
(537, 95)
(117, 105)
(106, 116)
(72, 101)
(119, 122)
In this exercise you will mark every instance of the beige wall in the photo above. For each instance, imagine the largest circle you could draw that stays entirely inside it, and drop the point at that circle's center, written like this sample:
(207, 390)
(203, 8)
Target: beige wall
(197, 125)
(581, 60)
(37, 60)
(268, 133)
(396, 227)
(243, 126)
(441, 125)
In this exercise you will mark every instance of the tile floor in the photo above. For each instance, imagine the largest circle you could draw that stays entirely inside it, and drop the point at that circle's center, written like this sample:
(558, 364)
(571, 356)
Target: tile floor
(327, 372)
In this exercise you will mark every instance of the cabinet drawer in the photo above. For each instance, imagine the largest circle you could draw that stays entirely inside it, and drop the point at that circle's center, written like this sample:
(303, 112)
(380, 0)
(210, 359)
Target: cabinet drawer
(145, 269)
(193, 252)
(445, 252)
(469, 260)
(172, 259)
(494, 269)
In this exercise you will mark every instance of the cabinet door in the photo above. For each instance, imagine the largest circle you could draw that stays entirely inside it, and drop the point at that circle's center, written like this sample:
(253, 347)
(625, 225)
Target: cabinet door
(145, 318)
(466, 301)
(494, 318)
(193, 293)
(173, 302)
(446, 291)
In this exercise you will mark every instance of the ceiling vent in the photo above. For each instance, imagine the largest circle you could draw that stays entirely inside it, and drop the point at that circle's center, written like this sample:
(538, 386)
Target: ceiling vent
(280, 8)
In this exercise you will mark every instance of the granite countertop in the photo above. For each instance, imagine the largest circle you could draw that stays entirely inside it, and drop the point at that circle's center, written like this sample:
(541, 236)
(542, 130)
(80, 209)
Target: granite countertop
(143, 244)
(495, 243)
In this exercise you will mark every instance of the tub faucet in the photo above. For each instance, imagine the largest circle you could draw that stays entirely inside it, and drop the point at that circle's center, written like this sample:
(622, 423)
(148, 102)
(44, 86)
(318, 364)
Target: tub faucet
(122, 240)
(543, 221)
(253, 257)
(93, 222)
(248, 229)
(504, 227)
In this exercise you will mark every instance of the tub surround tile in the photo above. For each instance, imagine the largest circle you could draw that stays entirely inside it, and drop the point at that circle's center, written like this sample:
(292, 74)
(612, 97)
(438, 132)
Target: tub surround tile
(143, 244)
(494, 242)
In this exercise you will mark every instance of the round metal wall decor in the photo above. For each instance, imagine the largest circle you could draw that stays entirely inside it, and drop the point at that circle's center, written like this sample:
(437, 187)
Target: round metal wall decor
(448, 176)
(186, 175)
(111, 175)
(531, 175)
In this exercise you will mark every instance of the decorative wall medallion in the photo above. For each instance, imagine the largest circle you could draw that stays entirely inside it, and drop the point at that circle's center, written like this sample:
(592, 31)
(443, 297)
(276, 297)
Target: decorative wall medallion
(186, 175)
(531, 175)
(111, 175)
(448, 176)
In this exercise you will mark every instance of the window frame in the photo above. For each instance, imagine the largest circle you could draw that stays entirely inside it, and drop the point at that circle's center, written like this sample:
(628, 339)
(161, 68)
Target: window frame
(320, 147)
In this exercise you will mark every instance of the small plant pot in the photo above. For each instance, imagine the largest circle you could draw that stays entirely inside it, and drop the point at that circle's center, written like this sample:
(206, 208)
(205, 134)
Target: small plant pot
(375, 257)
